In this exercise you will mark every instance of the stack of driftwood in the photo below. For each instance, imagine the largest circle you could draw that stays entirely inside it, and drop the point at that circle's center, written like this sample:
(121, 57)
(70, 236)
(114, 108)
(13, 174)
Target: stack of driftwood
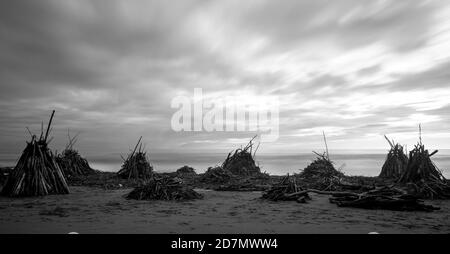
(286, 190)
(136, 165)
(186, 171)
(71, 162)
(241, 161)
(238, 166)
(164, 188)
(217, 175)
(321, 174)
(396, 162)
(36, 172)
(422, 176)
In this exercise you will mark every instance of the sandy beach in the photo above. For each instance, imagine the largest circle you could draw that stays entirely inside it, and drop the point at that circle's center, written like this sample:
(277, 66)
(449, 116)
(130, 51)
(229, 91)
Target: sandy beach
(94, 210)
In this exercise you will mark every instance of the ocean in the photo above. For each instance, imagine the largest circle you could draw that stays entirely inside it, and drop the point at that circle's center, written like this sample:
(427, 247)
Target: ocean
(361, 164)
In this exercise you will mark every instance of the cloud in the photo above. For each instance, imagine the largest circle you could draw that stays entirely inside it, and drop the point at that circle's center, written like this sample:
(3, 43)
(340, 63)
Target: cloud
(356, 69)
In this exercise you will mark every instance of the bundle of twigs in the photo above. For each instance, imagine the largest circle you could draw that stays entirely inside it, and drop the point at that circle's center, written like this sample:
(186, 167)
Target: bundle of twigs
(36, 172)
(396, 161)
(163, 188)
(283, 191)
(71, 162)
(137, 165)
(241, 161)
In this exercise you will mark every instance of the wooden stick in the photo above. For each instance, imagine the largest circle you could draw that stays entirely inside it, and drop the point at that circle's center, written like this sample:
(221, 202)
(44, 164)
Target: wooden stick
(49, 124)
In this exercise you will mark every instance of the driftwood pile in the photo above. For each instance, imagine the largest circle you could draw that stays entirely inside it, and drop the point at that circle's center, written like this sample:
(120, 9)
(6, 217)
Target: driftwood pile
(241, 162)
(286, 190)
(71, 162)
(321, 174)
(386, 198)
(422, 176)
(164, 188)
(136, 165)
(186, 171)
(36, 172)
(396, 162)
(238, 167)
(217, 175)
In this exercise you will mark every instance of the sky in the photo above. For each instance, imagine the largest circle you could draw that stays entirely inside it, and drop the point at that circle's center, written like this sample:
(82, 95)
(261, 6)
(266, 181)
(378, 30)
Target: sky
(355, 69)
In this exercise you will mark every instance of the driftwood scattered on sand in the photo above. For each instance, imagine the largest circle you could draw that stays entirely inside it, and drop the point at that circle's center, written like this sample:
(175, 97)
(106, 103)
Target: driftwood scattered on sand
(164, 188)
(36, 172)
(136, 165)
(286, 190)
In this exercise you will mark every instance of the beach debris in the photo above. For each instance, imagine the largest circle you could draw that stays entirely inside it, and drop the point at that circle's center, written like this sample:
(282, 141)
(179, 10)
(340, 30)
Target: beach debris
(216, 175)
(164, 188)
(136, 165)
(71, 162)
(321, 173)
(286, 190)
(422, 176)
(186, 171)
(241, 162)
(386, 198)
(396, 161)
(382, 198)
(36, 172)
(237, 168)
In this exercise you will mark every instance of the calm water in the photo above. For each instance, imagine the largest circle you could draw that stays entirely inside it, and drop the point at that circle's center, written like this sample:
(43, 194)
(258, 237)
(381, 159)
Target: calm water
(351, 164)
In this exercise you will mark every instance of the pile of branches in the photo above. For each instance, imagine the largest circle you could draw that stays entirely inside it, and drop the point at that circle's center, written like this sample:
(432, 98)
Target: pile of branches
(286, 190)
(217, 175)
(71, 162)
(186, 171)
(321, 174)
(396, 162)
(241, 162)
(136, 165)
(387, 198)
(423, 177)
(36, 172)
(164, 188)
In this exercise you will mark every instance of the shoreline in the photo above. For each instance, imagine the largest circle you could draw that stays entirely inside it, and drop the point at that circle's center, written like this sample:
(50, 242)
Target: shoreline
(93, 210)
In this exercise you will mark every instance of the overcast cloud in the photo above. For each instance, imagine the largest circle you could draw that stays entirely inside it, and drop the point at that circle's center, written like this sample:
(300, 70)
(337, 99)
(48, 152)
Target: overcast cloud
(355, 69)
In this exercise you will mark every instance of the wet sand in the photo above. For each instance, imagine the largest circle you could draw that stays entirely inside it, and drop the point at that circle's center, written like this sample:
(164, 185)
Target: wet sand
(94, 210)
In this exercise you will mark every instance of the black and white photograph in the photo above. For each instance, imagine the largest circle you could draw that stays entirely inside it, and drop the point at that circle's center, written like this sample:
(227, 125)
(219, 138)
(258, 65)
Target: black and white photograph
(224, 117)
